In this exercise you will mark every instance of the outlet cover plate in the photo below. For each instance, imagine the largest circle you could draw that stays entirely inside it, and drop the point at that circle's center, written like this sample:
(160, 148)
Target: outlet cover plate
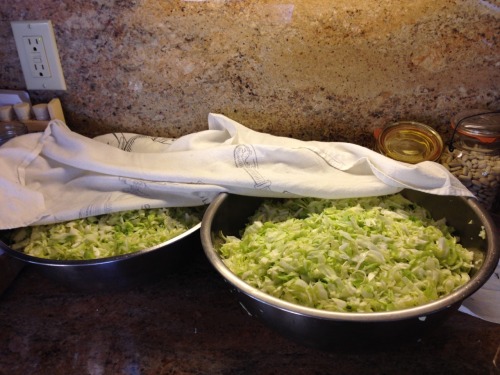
(37, 49)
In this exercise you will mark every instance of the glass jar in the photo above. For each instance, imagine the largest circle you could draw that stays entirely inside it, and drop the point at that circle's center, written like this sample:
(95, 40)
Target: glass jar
(473, 154)
(10, 130)
(409, 141)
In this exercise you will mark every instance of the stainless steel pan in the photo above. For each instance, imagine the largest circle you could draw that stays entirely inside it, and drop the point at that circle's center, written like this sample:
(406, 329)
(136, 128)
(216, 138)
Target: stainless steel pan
(228, 214)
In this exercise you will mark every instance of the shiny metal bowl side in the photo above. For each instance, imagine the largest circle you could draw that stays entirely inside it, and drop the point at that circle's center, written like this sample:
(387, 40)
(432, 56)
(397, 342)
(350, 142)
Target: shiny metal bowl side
(228, 215)
(119, 272)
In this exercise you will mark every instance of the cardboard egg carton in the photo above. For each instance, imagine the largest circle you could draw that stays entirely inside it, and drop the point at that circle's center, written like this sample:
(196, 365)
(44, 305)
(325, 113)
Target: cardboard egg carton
(15, 106)
(55, 112)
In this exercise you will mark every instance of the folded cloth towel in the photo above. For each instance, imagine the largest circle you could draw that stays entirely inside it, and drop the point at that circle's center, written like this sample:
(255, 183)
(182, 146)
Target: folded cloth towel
(485, 303)
(60, 175)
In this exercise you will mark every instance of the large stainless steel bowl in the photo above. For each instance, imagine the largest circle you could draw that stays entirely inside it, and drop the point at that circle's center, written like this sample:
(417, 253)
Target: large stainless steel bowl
(118, 272)
(228, 214)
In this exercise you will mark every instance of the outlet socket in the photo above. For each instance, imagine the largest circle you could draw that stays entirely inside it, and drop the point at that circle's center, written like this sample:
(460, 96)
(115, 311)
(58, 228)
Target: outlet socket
(37, 49)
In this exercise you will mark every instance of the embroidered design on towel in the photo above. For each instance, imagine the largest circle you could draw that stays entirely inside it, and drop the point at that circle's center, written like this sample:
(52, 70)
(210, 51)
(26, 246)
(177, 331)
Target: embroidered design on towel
(246, 158)
(126, 142)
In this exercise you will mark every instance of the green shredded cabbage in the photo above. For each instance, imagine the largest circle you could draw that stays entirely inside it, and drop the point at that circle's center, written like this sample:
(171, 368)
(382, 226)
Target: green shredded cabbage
(349, 255)
(105, 235)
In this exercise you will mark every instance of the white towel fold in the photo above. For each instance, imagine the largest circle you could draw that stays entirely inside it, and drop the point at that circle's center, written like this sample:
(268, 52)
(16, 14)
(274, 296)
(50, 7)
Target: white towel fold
(60, 175)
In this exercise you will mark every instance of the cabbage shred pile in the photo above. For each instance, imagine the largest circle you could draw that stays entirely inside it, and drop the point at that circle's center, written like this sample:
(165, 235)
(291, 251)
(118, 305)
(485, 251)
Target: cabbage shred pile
(350, 255)
(105, 235)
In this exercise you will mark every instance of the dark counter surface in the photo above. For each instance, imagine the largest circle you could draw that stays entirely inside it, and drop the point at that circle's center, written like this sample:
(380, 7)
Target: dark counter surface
(189, 323)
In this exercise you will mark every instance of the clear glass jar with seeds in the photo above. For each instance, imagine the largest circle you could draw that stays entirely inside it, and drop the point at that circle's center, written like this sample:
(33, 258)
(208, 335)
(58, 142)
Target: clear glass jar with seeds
(473, 154)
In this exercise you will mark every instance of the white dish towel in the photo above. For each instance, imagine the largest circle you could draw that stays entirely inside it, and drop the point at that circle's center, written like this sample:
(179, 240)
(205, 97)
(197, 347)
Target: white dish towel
(60, 175)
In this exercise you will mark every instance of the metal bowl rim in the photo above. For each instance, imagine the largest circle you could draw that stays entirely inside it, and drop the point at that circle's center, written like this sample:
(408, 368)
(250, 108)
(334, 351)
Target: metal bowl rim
(92, 262)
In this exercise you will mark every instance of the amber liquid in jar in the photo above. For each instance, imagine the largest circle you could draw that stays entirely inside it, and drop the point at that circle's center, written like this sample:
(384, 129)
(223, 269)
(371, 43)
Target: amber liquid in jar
(410, 142)
(410, 146)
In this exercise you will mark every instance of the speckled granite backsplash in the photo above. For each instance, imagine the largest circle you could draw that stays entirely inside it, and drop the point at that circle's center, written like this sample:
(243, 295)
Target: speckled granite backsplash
(324, 70)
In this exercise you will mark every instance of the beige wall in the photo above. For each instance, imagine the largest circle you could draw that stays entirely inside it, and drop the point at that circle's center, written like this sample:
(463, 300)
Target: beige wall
(326, 70)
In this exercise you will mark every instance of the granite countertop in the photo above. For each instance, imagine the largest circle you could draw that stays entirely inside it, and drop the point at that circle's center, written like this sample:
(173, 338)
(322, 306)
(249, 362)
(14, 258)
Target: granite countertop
(330, 70)
(189, 323)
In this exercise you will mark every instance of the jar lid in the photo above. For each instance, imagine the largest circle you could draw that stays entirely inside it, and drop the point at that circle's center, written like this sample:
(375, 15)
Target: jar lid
(477, 123)
(410, 142)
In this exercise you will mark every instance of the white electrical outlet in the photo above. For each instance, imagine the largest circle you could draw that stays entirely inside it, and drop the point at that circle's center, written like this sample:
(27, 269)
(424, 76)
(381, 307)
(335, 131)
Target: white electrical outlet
(37, 49)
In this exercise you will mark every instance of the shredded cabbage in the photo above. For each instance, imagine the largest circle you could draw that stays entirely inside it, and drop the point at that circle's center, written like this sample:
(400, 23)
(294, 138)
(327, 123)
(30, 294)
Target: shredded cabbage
(350, 255)
(105, 235)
